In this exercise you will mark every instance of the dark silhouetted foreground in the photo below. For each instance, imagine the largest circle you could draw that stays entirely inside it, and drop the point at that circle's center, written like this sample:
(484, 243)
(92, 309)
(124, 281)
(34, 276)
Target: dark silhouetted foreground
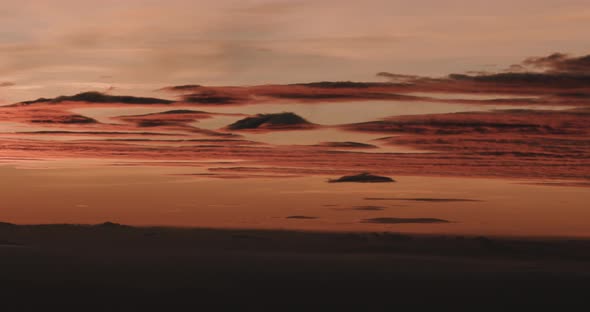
(112, 267)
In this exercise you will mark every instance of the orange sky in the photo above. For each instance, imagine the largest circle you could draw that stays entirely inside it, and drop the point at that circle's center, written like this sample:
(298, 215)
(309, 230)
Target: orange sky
(59, 47)
(240, 97)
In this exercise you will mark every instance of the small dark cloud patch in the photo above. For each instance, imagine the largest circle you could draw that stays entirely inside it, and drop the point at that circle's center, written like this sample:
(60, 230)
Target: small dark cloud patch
(188, 87)
(228, 141)
(111, 225)
(270, 121)
(499, 122)
(209, 99)
(424, 199)
(346, 144)
(154, 123)
(310, 96)
(397, 78)
(6, 84)
(302, 217)
(183, 111)
(564, 80)
(198, 94)
(341, 84)
(203, 95)
(404, 220)
(179, 119)
(98, 97)
(560, 63)
(67, 119)
(362, 178)
(343, 96)
(65, 132)
(368, 208)
(170, 112)
(535, 75)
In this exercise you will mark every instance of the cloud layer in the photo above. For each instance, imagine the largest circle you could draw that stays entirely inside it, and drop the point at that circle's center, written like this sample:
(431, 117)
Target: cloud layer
(515, 143)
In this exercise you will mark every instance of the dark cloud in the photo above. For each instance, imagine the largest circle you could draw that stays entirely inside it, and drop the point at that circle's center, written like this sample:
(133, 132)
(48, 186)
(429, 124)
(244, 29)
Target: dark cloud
(209, 99)
(346, 144)
(556, 69)
(546, 143)
(363, 178)
(342, 96)
(171, 117)
(312, 92)
(398, 78)
(97, 97)
(51, 116)
(174, 112)
(188, 87)
(368, 208)
(424, 199)
(209, 141)
(341, 84)
(565, 80)
(561, 63)
(541, 78)
(516, 68)
(175, 120)
(208, 95)
(66, 119)
(404, 220)
(281, 121)
(65, 132)
(536, 75)
(6, 84)
(501, 122)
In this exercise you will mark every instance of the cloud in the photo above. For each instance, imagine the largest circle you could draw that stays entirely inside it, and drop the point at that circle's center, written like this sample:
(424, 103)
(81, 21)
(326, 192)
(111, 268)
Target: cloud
(189, 87)
(536, 75)
(66, 119)
(385, 220)
(557, 79)
(398, 78)
(346, 144)
(97, 97)
(561, 63)
(502, 143)
(546, 143)
(362, 178)
(107, 133)
(500, 123)
(279, 121)
(210, 97)
(7, 84)
(302, 217)
(552, 145)
(424, 199)
(368, 208)
(313, 92)
(175, 120)
(341, 84)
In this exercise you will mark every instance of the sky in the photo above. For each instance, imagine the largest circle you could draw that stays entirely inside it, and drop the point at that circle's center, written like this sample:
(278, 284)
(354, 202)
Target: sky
(233, 97)
(51, 48)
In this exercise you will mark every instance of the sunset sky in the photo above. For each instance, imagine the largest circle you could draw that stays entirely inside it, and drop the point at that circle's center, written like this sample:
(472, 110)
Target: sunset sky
(50, 48)
(143, 112)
